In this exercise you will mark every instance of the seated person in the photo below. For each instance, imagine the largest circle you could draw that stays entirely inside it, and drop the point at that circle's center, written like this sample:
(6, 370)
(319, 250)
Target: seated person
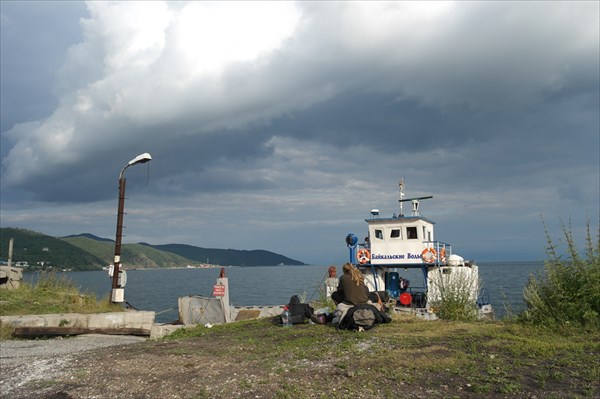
(351, 291)
(351, 287)
(302, 311)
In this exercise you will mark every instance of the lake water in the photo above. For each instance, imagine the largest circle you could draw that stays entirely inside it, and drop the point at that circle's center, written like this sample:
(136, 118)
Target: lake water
(159, 289)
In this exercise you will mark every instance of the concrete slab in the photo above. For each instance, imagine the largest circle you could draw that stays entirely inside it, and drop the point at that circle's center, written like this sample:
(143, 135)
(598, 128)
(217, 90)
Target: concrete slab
(161, 330)
(129, 319)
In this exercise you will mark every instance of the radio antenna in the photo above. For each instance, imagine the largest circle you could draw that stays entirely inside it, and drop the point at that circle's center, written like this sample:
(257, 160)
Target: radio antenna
(401, 185)
(415, 201)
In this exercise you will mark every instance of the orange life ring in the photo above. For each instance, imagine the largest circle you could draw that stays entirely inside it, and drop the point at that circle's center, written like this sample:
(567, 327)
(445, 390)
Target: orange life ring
(442, 255)
(428, 255)
(363, 256)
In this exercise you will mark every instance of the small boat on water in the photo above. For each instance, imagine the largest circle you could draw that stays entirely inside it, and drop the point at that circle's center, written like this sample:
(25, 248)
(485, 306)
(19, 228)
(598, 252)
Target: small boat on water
(401, 242)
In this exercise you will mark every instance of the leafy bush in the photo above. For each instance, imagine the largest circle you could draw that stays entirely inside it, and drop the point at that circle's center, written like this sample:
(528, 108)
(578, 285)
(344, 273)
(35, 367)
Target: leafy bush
(454, 295)
(568, 291)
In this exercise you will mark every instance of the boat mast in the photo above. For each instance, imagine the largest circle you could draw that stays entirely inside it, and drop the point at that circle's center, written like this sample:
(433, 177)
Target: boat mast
(401, 185)
(415, 201)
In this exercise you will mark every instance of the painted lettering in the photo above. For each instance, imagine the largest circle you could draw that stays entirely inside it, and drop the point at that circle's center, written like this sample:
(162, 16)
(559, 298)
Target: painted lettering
(381, 256)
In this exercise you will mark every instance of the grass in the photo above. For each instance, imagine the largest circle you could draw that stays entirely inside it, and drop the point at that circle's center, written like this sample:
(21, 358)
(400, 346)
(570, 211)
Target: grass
(51, 294)
(487, 358)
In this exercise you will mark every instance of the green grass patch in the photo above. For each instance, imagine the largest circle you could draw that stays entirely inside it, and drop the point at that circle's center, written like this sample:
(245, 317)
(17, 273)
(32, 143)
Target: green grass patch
(51, 294)
(491, 358)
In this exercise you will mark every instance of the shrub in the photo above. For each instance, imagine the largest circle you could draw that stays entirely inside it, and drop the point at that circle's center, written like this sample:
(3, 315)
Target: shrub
(453, 296)
(567, 292)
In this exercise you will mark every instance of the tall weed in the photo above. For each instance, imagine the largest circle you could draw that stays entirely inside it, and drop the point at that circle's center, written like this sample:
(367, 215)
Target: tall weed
(454, 296)
(567, 292)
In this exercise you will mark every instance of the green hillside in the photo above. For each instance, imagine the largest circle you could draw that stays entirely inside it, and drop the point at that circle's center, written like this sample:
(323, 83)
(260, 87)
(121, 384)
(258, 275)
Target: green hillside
(41, 251)
(132, 255)
(102, 249)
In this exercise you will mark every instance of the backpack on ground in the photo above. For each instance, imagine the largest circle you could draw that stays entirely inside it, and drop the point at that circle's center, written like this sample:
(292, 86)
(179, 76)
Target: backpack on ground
(364, 318)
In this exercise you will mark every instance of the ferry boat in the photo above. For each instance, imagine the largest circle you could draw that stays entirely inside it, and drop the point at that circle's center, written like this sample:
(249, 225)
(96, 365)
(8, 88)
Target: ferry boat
(401, 242)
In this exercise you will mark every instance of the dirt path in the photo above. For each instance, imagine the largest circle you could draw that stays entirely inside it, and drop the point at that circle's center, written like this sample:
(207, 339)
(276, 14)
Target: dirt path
(29, 363)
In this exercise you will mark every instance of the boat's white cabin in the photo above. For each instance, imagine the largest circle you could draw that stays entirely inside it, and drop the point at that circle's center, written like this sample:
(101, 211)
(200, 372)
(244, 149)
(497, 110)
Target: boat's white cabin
(398, 240)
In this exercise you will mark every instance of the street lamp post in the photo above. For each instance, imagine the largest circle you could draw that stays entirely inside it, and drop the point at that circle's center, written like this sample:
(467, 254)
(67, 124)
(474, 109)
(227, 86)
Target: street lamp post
(118, 294)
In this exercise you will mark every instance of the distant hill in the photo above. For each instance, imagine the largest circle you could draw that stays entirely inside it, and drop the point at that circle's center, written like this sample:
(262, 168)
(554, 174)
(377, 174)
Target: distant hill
(89, 252)
(93, 237)
(232, 257)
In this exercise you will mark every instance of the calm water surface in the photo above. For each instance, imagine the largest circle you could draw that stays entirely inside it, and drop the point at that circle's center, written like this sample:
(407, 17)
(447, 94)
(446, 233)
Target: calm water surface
(159, 289)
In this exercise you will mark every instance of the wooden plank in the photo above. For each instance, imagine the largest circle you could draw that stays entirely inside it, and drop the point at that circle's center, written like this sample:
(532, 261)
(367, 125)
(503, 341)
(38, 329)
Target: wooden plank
(61, 331)
(247, 314)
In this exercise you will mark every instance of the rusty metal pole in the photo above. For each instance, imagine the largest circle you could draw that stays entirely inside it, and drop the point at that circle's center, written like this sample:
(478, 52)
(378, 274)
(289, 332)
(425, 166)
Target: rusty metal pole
(119, 235)
(117, 294)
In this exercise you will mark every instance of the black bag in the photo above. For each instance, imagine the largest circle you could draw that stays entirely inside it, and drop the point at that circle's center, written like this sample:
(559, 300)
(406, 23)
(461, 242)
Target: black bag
(302, 311)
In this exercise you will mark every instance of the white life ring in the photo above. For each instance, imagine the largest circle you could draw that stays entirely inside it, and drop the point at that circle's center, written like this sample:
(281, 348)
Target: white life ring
(363, 256)
(429, 255)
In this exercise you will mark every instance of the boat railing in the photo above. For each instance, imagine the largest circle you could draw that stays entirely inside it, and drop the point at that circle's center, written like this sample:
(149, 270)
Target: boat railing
(442, 251)
(483, 298)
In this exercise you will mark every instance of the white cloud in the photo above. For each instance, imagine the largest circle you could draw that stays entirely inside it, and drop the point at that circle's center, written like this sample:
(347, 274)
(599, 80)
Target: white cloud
(209, 36)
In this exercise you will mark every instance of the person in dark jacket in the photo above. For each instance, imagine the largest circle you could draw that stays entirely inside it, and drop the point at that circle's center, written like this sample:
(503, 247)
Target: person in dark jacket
(302, 311)
(351, 287)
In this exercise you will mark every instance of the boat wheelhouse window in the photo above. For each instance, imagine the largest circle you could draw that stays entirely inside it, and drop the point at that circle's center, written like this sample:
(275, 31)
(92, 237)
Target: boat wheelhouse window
(379, 234)
(395, 233)
(411, 233)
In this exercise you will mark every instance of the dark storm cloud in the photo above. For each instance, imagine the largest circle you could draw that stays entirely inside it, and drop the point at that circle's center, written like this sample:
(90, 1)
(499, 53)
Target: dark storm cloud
(33, 49)
(289, 105)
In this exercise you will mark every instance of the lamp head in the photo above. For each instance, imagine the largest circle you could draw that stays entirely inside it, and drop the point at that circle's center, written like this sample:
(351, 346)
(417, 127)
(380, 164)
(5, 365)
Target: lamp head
(142, 158)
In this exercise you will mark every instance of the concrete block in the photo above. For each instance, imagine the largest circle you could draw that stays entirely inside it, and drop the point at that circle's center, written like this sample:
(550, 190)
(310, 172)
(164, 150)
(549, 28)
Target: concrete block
(141, 319)
(161, 330)
(129, 319)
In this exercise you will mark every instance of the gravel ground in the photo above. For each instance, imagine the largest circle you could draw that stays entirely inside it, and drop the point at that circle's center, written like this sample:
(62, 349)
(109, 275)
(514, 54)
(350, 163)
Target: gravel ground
(28, 361)
(258, 360)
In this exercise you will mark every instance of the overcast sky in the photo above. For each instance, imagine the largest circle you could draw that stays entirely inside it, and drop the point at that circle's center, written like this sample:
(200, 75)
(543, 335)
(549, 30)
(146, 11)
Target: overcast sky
(280, 125)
